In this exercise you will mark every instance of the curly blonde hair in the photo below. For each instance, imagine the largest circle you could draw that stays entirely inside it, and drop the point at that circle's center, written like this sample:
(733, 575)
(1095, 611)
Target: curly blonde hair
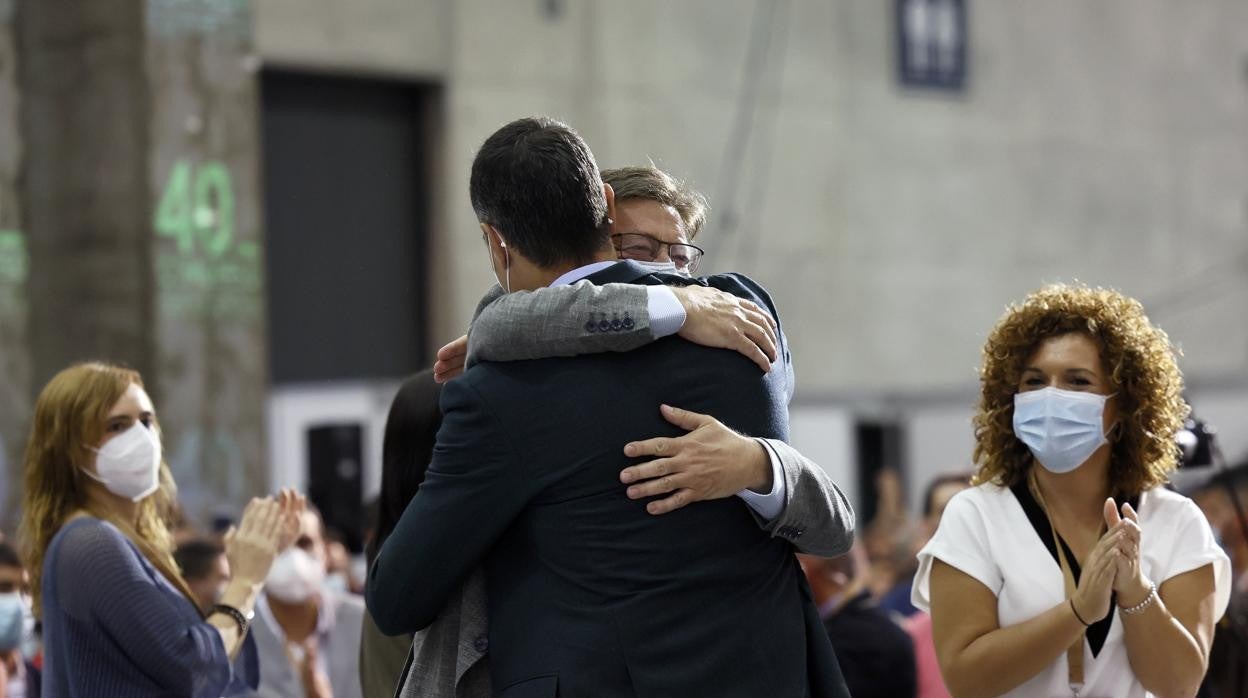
(1135, 355)
(69, 418)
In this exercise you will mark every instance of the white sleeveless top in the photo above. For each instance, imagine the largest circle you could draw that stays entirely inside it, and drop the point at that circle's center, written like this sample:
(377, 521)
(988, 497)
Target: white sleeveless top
(985, 533)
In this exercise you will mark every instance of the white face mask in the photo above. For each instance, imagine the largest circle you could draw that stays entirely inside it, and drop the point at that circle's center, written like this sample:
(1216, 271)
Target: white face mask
(30, 638)
(1062, 428)
(129, 464)
(668, 267)
(12, 624)
(294, 577)
(337, 582)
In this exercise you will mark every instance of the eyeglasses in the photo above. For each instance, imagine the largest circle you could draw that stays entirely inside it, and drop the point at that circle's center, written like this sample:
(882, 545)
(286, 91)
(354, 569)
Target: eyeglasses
(645, 248)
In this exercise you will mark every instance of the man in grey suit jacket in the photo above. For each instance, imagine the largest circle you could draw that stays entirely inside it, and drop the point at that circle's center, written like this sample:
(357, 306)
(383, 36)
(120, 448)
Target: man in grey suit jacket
(710, 462)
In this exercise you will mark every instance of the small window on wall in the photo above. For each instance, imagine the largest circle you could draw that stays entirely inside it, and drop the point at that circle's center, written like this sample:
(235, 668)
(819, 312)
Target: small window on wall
(881, 473)
(931, 44)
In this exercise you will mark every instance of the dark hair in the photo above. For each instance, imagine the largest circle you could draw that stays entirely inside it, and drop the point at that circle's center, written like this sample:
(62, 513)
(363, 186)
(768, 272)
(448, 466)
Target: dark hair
(940, 481)
(1235, 477)
(196, 557)
(537, 182)
(332, 535)
(9, 556)
(406, 447)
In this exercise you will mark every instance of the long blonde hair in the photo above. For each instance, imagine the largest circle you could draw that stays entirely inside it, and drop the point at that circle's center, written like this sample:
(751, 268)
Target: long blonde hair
(69, 419)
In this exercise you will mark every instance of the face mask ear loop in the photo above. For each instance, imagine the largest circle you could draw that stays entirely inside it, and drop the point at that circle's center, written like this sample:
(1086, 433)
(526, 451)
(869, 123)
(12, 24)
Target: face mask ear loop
(507, 265)
(1116, 427)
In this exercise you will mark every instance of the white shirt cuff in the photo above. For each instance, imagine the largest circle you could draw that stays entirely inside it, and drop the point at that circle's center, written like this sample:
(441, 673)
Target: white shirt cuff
(667, 315)
(771, 504)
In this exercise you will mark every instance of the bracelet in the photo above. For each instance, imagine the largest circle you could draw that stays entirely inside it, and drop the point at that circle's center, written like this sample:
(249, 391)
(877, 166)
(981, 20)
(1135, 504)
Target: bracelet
(1077, 616)
(1143, 605)
(243, 621)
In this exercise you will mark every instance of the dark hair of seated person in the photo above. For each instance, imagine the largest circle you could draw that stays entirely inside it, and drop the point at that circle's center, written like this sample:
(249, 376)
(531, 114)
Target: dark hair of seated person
(196, 558)
(407, 446)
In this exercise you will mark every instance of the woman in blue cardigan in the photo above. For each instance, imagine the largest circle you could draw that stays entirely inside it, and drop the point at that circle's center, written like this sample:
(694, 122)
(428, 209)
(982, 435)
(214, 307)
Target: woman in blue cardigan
(118, 618)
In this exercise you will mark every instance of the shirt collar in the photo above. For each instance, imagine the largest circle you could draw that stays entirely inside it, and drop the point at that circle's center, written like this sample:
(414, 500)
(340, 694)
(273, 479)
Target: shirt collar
(581, 272)
(324, 614)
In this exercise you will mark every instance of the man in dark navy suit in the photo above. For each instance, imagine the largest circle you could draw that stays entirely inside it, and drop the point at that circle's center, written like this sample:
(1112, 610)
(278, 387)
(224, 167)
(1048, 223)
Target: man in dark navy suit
(588, 595)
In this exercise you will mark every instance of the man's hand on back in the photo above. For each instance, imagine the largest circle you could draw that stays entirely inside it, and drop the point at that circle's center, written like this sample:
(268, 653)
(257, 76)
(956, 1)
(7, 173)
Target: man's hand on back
(451, 360)
(710, 462)
(714, 318)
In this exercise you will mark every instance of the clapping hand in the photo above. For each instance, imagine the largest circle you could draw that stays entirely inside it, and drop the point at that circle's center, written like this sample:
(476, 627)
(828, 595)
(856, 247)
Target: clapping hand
(1129, 581)
(251, 546)
(268, 526)
(292, 505)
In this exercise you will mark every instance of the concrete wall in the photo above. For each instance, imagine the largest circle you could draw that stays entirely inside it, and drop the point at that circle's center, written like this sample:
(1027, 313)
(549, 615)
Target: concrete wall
(404, 37)
(1104, 142)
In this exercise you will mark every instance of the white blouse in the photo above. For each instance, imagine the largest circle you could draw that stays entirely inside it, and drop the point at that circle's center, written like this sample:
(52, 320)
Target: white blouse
(985, 533)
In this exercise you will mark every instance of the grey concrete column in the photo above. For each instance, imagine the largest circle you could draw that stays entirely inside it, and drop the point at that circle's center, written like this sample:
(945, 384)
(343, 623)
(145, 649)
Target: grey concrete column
(205, 178)
(141, 209)
(14, 346)
(84, 195)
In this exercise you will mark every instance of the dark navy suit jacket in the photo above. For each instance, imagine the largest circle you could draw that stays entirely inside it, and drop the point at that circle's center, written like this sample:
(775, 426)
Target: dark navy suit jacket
(589, 595)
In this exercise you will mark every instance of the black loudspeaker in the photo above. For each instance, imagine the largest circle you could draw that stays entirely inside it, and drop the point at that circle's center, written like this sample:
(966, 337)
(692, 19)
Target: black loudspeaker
(335, 479)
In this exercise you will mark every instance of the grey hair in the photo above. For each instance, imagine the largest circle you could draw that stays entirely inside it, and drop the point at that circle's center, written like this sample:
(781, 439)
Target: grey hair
(656, 185)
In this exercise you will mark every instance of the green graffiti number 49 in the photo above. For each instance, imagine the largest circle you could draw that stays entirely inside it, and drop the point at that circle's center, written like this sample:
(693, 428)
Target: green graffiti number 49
(198, 203)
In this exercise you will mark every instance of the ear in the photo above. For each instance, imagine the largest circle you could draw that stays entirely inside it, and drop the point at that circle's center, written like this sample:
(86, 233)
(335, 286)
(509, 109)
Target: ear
(1115, 431)
(492, 232)
(609, 193)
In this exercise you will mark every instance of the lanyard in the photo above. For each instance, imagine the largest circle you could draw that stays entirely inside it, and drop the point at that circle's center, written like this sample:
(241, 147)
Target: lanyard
(1074, 654)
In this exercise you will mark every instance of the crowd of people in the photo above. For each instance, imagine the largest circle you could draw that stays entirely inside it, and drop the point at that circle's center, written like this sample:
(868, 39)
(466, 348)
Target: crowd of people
(591, 493)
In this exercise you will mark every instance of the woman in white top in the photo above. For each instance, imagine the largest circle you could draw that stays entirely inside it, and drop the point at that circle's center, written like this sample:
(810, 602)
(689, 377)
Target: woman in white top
(1069, 521)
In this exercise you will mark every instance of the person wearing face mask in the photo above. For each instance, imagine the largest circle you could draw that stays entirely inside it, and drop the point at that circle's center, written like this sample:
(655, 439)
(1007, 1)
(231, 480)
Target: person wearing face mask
(118, 617)
(18, 676)
(338, 563)
(205, 568)
(307, 634)
(1068, 569)
(656, 218)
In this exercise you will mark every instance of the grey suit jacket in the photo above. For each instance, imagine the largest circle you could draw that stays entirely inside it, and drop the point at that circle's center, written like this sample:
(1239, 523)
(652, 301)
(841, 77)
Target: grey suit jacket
(568, 321)
(446, 658)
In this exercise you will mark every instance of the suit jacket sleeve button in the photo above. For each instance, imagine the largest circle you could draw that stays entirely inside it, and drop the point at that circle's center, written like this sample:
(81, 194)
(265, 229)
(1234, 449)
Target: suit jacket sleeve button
(481, 644)
(591, 327)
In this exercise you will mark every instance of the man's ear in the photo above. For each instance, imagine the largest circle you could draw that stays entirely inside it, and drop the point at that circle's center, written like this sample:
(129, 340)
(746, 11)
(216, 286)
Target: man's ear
(609, 193)
(492, 232)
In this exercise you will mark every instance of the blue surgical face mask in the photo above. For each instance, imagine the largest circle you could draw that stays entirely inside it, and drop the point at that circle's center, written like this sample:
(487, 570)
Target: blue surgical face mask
(12, 621)
(1062, 428)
